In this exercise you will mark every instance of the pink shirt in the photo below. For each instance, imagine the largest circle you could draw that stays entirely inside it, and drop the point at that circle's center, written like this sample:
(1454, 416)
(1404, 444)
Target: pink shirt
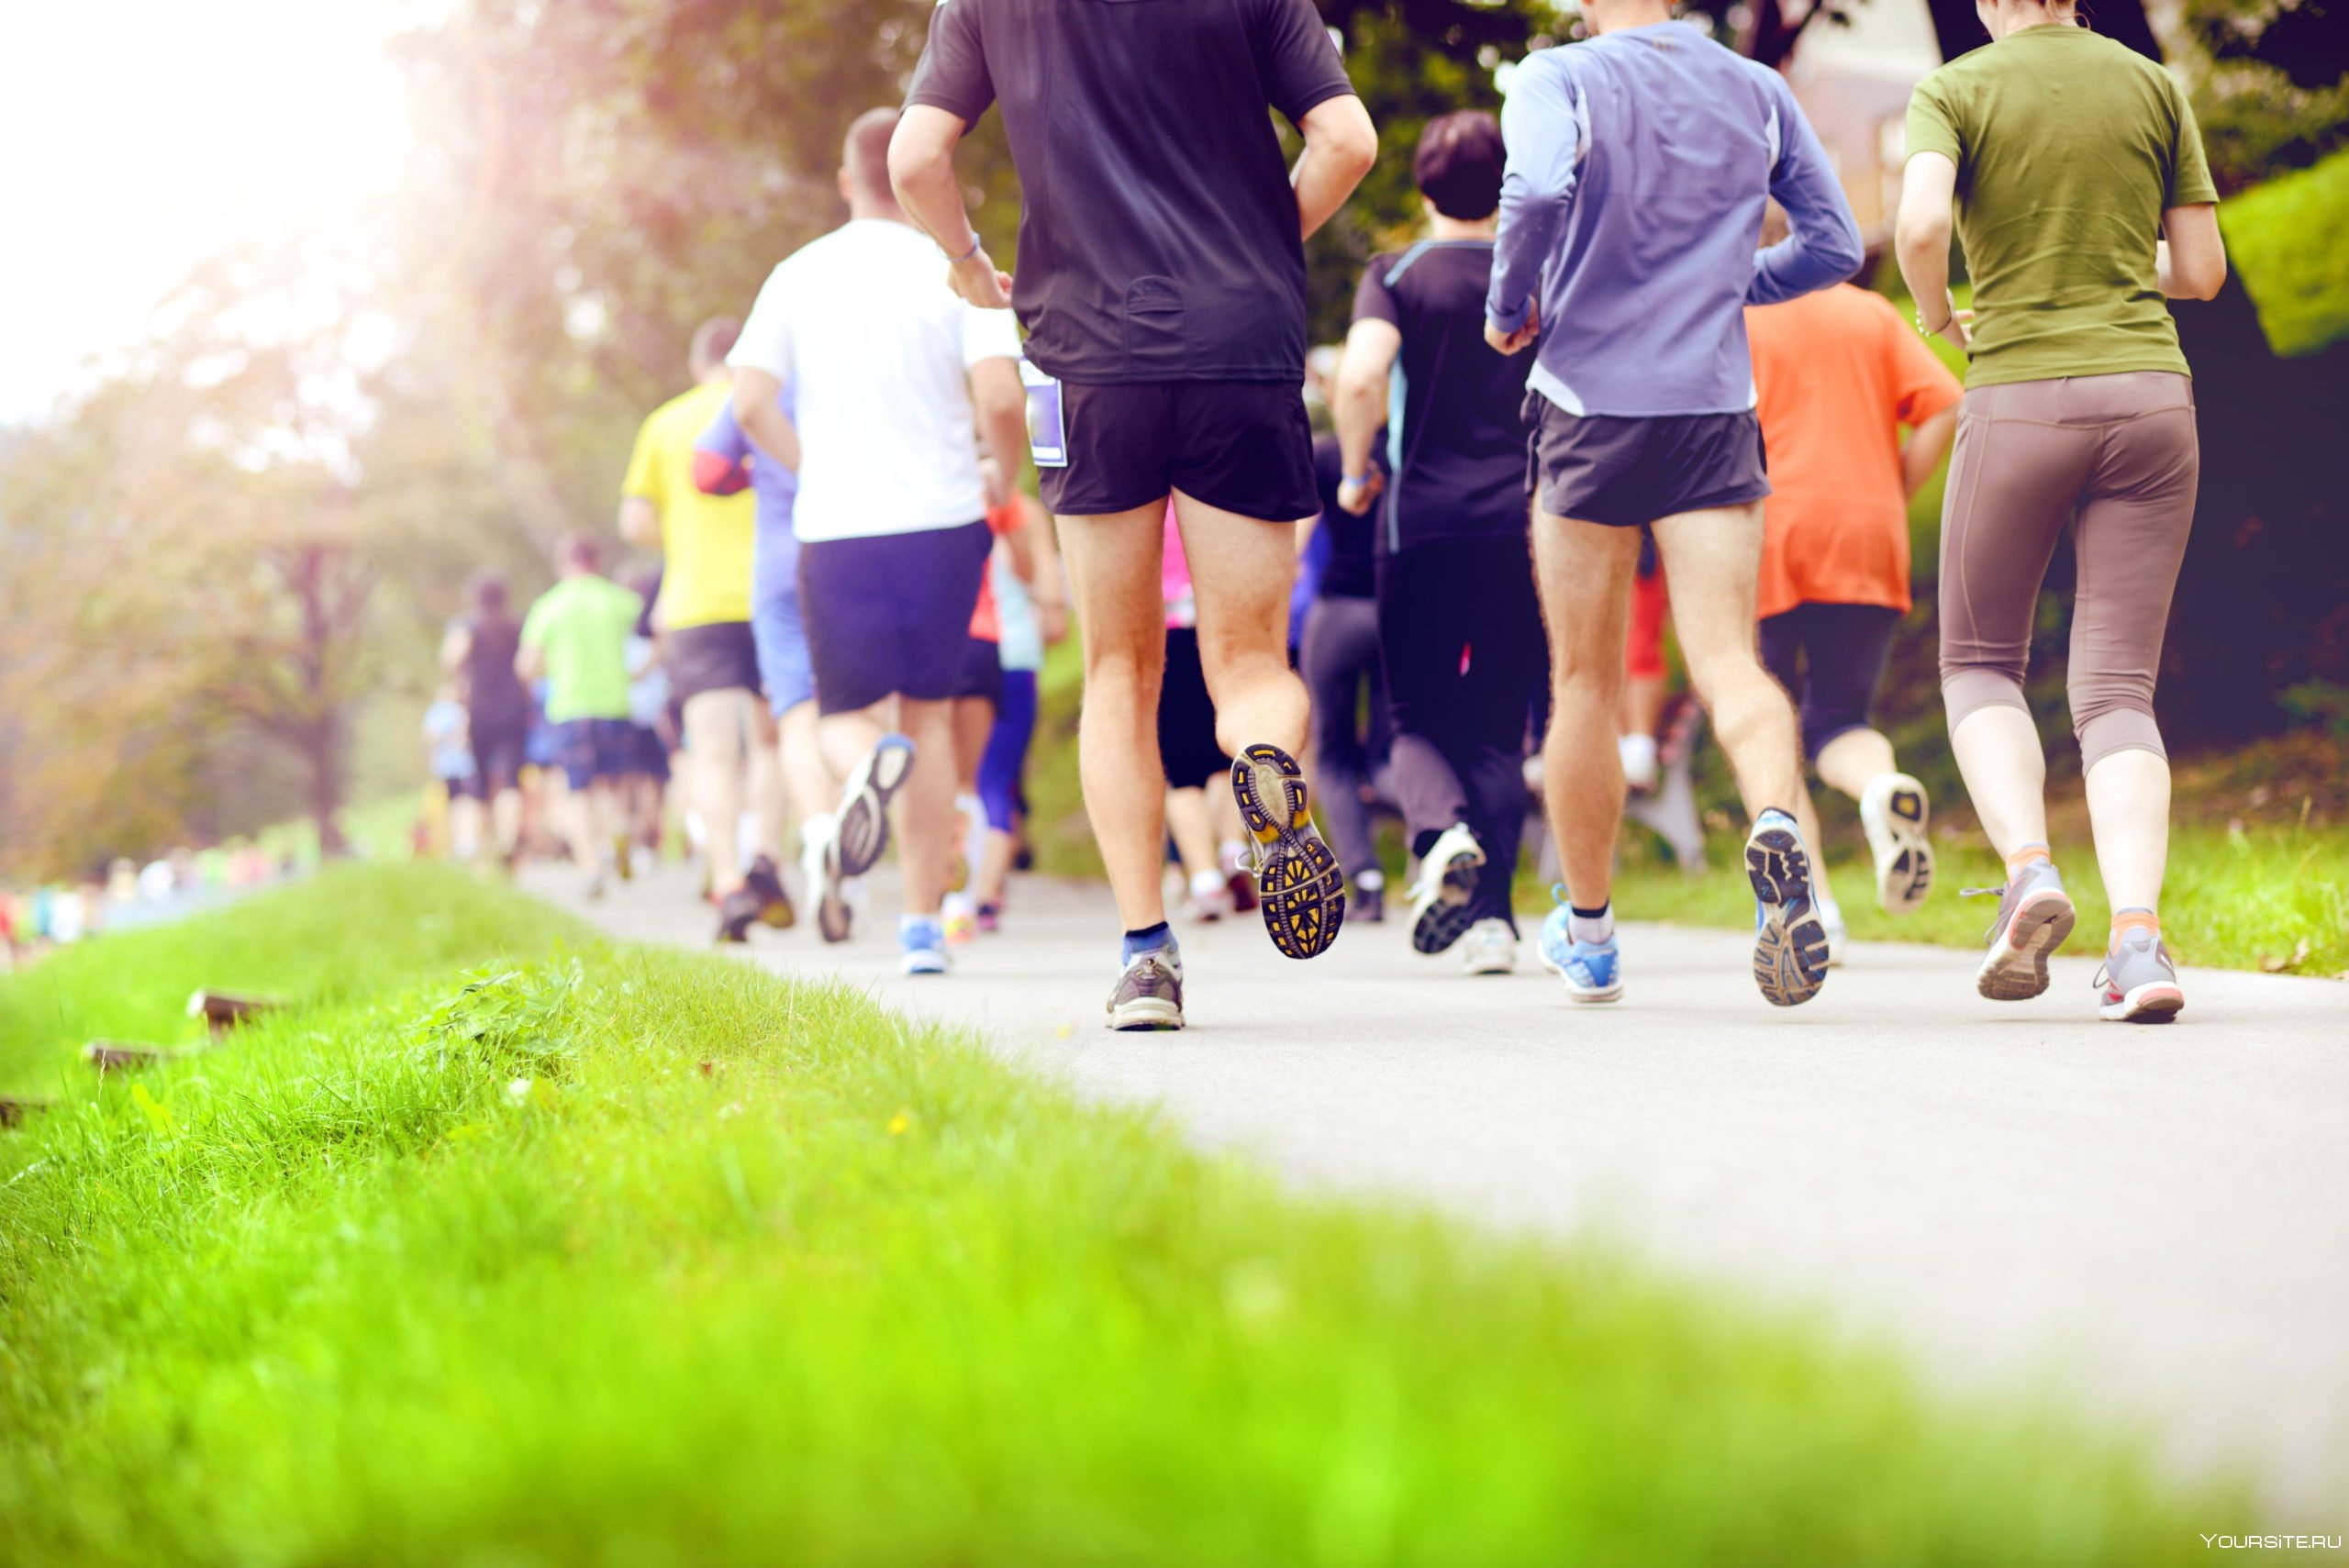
(1174, 577)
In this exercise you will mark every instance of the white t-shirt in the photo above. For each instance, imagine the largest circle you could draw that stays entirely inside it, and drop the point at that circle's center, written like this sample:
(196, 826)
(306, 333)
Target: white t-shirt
(877, 349)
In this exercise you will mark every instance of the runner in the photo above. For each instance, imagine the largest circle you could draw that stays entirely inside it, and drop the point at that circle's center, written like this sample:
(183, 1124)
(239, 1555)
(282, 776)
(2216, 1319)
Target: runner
(1162, 276)
(979, 692)
(1639, 166)
(1838, 373)
(704, 619)
(644, 802)
(1188, 752)
(576, 638)
(477, 654)
(2071, 158)
(1456, 613)
(1033, 614)
(894, 382)
(450, 757)
(1352, 731)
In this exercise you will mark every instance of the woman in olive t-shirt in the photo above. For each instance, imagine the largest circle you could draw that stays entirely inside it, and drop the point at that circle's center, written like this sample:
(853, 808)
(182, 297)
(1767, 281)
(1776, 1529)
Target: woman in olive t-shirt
(2083, 204)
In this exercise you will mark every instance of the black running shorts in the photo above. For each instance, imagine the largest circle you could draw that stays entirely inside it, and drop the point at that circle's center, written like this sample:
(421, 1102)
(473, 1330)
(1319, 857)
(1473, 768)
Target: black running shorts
(719, 657)
(1625, 471)
(1241, 446)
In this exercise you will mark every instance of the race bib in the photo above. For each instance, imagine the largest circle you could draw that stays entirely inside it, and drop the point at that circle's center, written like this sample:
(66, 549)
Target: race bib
(1047, 422)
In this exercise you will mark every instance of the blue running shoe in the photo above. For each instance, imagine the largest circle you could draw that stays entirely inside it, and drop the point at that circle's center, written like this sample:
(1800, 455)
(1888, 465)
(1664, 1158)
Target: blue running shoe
(1789, 940)
(921, 945)
(1593, 971)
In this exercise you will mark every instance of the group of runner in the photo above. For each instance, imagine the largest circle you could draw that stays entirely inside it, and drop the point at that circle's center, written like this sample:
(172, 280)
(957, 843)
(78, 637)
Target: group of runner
(1590, 324)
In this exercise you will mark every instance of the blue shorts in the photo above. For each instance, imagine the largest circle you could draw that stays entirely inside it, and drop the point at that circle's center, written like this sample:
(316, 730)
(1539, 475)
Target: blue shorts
(593, 748)
(890, 615)
(785, 669)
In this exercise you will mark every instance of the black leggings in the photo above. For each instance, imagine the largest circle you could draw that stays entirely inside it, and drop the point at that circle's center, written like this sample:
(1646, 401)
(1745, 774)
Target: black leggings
(1830, 658)
(1341, 653)
(1460, 631)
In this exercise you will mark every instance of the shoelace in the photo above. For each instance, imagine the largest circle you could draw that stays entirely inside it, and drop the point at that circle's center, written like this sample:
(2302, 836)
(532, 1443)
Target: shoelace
(1998, 893)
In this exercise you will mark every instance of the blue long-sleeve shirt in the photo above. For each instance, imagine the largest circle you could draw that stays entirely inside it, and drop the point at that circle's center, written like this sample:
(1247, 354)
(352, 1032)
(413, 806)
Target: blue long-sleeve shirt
(1637, 167)
(775, 548)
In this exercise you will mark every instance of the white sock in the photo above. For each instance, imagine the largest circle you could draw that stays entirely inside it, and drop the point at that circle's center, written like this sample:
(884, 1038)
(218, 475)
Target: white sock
(1206, 885)
(1599, 927)
(1371, 880)
(1639, 755)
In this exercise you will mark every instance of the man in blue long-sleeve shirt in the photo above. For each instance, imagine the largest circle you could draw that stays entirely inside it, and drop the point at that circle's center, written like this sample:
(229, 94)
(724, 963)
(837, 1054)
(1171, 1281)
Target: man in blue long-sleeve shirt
(1639, 166)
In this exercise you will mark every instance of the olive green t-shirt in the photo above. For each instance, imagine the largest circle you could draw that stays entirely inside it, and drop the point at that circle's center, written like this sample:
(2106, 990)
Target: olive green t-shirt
(2068, 147)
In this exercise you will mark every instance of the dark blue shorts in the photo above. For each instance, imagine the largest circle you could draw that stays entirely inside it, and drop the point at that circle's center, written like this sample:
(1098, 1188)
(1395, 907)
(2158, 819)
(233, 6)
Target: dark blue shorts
(1830, 659)
(592, 749)
(890, 616)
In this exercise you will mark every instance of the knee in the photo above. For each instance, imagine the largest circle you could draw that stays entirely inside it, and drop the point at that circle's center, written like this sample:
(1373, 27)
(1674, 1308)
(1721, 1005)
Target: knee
(2111, 714)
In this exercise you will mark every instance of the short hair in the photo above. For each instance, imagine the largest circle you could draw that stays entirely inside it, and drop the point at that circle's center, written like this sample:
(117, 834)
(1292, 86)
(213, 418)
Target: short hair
(864, 153)
(489, 594)
(582, 550)
(1459, 162)
(713, 340)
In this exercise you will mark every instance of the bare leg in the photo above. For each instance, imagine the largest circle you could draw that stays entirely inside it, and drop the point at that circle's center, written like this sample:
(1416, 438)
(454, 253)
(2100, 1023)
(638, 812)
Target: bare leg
(765, 777)
(506, 821)
(1584, 571)
(847, 737)
(718, 770)
(1242, 571)
(2129, 807)
(1113, 567)
(1712, 558)
(807, 784)
(925, 805)
(2006, 776)
(1854, 760)
(1188, 821)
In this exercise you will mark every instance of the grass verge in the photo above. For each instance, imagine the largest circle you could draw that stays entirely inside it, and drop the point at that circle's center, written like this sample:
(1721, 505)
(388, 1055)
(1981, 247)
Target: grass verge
(603, 1255)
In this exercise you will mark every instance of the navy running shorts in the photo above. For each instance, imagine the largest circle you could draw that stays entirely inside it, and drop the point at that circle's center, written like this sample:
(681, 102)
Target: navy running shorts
(890, 615)
(592, 749)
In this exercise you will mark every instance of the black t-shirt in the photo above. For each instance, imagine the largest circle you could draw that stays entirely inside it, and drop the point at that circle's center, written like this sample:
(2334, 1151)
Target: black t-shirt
(1160, 237)
(1460, 470)
(1352, 571)
(495, 702)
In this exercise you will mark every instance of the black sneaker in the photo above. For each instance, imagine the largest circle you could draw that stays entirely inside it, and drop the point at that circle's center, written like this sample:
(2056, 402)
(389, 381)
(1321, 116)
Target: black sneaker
(737, 915)
(774, 903)
(1301, 887)
(1149, 994)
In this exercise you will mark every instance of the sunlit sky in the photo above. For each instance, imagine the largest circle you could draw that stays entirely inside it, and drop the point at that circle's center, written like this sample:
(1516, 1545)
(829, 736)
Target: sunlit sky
(138, 137)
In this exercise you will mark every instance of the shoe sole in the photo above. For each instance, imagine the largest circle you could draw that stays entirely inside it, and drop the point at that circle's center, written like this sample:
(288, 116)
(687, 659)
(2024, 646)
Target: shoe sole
(2015, 969)
(1300, 889)
(1582, 993)
(864, 832)
(1146, 1015)
(2157, 1002)
(1447, 919)
(1790, 949)
(834, 917)
(1904, 882)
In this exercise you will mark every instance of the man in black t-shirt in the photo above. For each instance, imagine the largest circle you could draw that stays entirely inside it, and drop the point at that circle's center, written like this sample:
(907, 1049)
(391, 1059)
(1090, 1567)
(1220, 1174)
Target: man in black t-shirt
(1161, 280)
(1458, 621)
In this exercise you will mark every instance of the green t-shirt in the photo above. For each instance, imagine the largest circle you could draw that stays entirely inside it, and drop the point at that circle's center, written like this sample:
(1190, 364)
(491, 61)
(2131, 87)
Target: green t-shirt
(2068, 147)
(582, 625)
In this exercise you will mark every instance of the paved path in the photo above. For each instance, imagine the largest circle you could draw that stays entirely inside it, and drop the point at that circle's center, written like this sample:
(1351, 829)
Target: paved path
(2152, 1223)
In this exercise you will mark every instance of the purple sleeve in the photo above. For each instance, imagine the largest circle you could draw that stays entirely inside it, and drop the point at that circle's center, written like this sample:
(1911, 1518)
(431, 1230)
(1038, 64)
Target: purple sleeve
(725, 437)
(1544, 133)
(1823, 248)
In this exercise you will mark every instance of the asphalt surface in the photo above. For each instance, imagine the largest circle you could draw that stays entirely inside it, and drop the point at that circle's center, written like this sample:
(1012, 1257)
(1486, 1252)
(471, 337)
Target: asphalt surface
(2149, 1226)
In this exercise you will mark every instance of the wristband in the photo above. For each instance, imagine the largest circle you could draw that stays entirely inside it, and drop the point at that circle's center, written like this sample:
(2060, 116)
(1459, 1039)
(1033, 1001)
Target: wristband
(1357, 480)
(958, 260)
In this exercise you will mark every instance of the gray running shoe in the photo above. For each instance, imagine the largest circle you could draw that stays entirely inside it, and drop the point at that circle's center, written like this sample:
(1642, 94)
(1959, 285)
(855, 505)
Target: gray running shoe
(1149, 994)
(2138, 983)
(2035, 915)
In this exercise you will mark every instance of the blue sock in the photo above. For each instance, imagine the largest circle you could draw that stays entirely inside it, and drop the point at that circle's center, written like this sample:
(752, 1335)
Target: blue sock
(1150, 939)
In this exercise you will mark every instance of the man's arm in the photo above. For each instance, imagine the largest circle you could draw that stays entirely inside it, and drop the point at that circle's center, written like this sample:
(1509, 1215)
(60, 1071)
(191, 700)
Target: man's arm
(1340, 144)
(1359, 407)
(530, 663)
(1823, 246)
(921, 170)
(758, 409)
(1543, 136)
(456, 647)
(1921, 242)
(1924, 450)
(999, 405)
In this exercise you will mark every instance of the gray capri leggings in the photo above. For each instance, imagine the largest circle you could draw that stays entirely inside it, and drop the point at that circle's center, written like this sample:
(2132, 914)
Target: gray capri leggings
(2113, 455)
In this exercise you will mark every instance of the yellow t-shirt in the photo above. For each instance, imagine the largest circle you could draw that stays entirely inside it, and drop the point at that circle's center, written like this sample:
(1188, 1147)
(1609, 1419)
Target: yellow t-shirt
(705, 538)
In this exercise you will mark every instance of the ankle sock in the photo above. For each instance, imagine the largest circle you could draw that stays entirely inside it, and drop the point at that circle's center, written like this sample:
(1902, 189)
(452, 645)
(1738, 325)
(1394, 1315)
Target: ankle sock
(2023, 856)
(1591, 924)
(1371, 880)
(1150, 939)
(2136, 917)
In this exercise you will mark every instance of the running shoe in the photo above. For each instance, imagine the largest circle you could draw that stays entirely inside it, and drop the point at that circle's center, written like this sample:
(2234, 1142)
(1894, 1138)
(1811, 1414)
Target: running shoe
(1893, 813)
(1789, 942)
(2035, 916)
(1448, 873)
(1490, 948)
(1211, 898)
(1593, 971)
(621, 862)
(1149, 993)
(820, 864)
(1369, 901)
(774, 905)
(863, 824)
(737, 912)
(1301, 887)
(2138, 983)
(962, 919)
(1839, 936)
(921, 945)
(989, 917)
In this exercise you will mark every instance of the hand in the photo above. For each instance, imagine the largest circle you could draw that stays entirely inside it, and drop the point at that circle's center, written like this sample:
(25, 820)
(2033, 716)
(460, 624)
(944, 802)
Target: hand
(977, 281)
(1516, 342)
(1957, 327)
(992, 481)
(1355, 495)
(1051, 620)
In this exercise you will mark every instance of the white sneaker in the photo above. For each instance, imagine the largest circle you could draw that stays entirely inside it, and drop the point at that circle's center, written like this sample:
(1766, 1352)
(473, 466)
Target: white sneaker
(1894, 813)
(1490, 948)
(1642, 764)
(1448, 875)
(1211, 898)
(819, 864)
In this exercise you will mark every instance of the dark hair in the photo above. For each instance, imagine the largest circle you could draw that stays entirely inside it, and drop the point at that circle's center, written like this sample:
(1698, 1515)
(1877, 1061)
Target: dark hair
(488, 592)
(582, 550)
(713, 340)
(865, 152)
(1459, 164)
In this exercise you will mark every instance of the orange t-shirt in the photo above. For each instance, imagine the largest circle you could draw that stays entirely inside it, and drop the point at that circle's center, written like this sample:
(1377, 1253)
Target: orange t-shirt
(986, 624)
(1838, 373)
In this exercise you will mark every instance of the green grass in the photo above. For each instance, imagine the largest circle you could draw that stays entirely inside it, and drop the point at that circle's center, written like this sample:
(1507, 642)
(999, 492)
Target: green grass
(620, 1257)
(2286, 238)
